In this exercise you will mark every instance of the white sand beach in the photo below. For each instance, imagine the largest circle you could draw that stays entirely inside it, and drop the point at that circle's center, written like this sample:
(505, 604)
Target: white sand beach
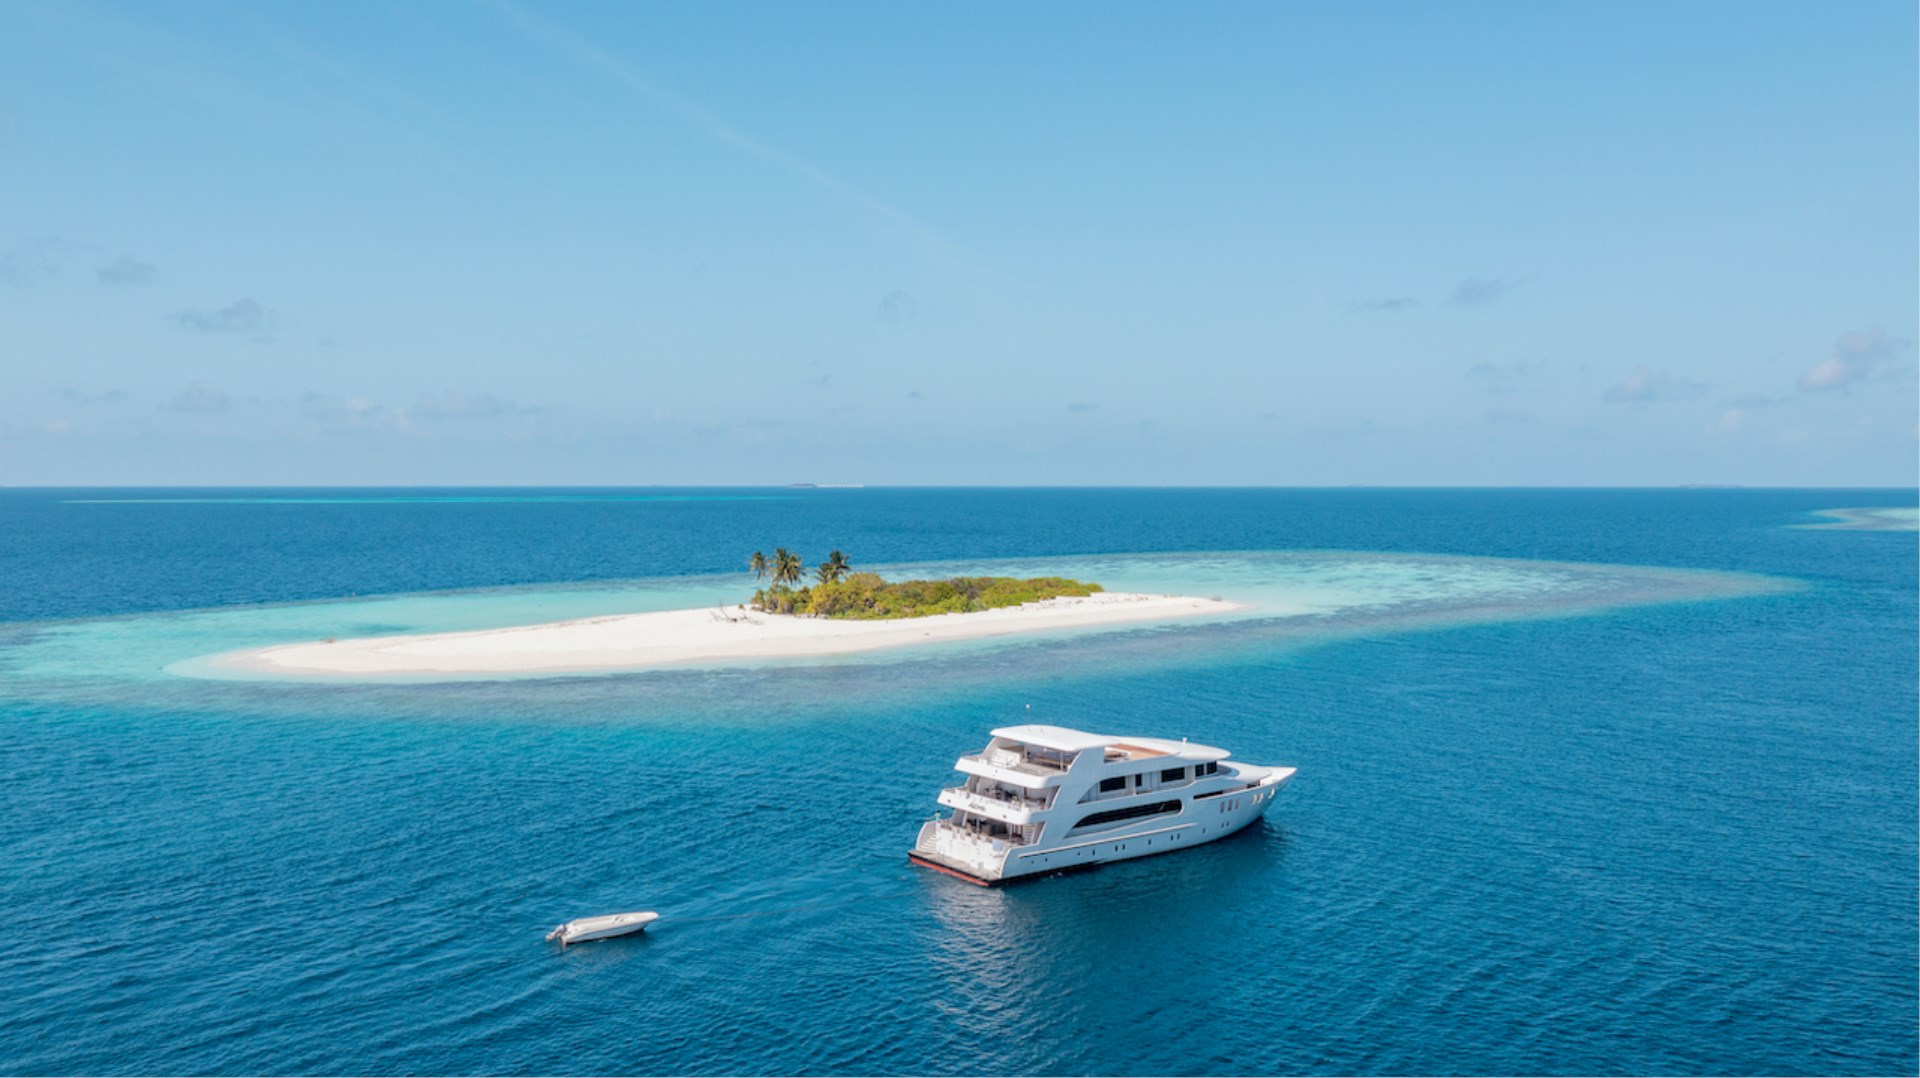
(630, 641)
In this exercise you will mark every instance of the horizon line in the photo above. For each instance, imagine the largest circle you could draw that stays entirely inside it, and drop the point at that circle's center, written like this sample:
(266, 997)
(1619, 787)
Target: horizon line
(942, 486)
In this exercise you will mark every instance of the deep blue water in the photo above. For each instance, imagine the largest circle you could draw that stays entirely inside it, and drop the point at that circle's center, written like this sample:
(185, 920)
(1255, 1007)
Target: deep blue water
(1665, 838)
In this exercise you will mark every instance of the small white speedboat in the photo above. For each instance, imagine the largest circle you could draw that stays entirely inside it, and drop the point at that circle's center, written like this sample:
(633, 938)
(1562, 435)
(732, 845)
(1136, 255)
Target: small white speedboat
(601, 928)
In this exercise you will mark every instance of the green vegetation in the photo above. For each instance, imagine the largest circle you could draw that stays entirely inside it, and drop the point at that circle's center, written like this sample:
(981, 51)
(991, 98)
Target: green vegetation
(838, 592)
(787, 567)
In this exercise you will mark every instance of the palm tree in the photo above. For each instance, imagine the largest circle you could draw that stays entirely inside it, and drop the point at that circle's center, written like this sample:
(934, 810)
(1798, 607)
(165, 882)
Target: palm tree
(833, 568)
(787, 566)
(758, 563)
(824, 574)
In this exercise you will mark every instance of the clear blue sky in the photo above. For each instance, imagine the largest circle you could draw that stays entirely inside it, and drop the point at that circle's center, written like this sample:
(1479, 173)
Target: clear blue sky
(1274, 243)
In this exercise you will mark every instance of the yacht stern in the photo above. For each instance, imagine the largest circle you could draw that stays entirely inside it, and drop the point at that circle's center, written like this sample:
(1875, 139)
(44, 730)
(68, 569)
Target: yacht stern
(944, 847)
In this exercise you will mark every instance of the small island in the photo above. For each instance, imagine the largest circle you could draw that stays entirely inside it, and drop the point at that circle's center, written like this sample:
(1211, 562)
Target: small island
(838, 592)
(840, 612)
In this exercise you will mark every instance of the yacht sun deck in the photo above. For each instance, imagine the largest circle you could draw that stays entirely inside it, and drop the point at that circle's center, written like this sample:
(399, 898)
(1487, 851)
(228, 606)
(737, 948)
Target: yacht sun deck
(1045, 798)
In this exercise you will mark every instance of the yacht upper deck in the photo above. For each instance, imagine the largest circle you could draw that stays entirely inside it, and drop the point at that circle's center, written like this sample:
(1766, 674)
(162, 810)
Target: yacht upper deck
(1058, 742)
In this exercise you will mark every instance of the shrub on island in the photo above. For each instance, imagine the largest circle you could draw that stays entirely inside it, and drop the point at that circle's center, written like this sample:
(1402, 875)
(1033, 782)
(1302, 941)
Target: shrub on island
(866, 596)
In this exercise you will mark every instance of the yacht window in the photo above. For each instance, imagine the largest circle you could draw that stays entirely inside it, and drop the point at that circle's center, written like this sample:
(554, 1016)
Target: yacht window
(1131, 812)
(1139, 780)
(1173, 774)
(1107, 786)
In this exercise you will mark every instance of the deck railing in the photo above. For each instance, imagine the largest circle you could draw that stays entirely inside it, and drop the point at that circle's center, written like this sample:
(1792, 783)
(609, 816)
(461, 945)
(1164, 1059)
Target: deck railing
(961, 834)
(1030, 804)
(1014, 761)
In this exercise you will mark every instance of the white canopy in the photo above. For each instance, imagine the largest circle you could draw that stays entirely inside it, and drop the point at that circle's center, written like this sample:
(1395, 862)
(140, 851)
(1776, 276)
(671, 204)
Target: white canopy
(1061, 739)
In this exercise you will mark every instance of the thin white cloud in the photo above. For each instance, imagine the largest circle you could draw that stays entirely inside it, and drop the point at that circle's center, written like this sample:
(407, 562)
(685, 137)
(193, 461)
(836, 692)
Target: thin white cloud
(1501, 377)
(1646, 385)
(201, 398)
(352, 413)
(127, 270)
(1854, 356)
(897, 306)
(82, 397)
(31, 261)
(1382, 306)
(1478, 290)
(241, 317)
(708, 121)
(454, 404)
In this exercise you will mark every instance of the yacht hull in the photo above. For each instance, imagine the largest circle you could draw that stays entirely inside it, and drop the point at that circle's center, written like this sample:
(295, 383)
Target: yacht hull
(925, 861)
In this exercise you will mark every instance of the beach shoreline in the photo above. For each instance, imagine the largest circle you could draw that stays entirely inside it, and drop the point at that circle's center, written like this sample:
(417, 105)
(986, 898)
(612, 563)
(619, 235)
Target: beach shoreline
(714, 635)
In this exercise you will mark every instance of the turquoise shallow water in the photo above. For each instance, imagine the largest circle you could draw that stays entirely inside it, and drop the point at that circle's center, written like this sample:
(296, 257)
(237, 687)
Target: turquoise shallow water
(1296, 598)
(1882, 518)
(1550, 817)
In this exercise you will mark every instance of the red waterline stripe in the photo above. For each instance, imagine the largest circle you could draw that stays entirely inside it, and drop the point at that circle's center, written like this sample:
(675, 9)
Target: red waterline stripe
(954, 872)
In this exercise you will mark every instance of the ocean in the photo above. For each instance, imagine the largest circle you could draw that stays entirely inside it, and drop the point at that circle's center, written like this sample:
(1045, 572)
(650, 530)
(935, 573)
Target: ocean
(1591, 781)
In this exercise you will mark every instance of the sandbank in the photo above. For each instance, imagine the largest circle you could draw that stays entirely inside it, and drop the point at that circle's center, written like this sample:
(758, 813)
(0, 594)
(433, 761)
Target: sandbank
(671, 637)
(1874, 519)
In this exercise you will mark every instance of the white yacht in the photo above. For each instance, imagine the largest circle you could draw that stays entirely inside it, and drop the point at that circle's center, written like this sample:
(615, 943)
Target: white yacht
(1044, 798)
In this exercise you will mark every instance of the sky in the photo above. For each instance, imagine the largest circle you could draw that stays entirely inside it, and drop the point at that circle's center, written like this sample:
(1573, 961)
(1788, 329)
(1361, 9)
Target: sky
(503, 242)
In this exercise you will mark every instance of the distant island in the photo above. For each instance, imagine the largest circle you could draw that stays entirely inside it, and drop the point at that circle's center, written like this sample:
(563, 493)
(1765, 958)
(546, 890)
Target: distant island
(838, 592)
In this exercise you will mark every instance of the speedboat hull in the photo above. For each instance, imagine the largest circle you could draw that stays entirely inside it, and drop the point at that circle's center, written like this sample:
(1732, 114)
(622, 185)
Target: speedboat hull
(587, 929)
